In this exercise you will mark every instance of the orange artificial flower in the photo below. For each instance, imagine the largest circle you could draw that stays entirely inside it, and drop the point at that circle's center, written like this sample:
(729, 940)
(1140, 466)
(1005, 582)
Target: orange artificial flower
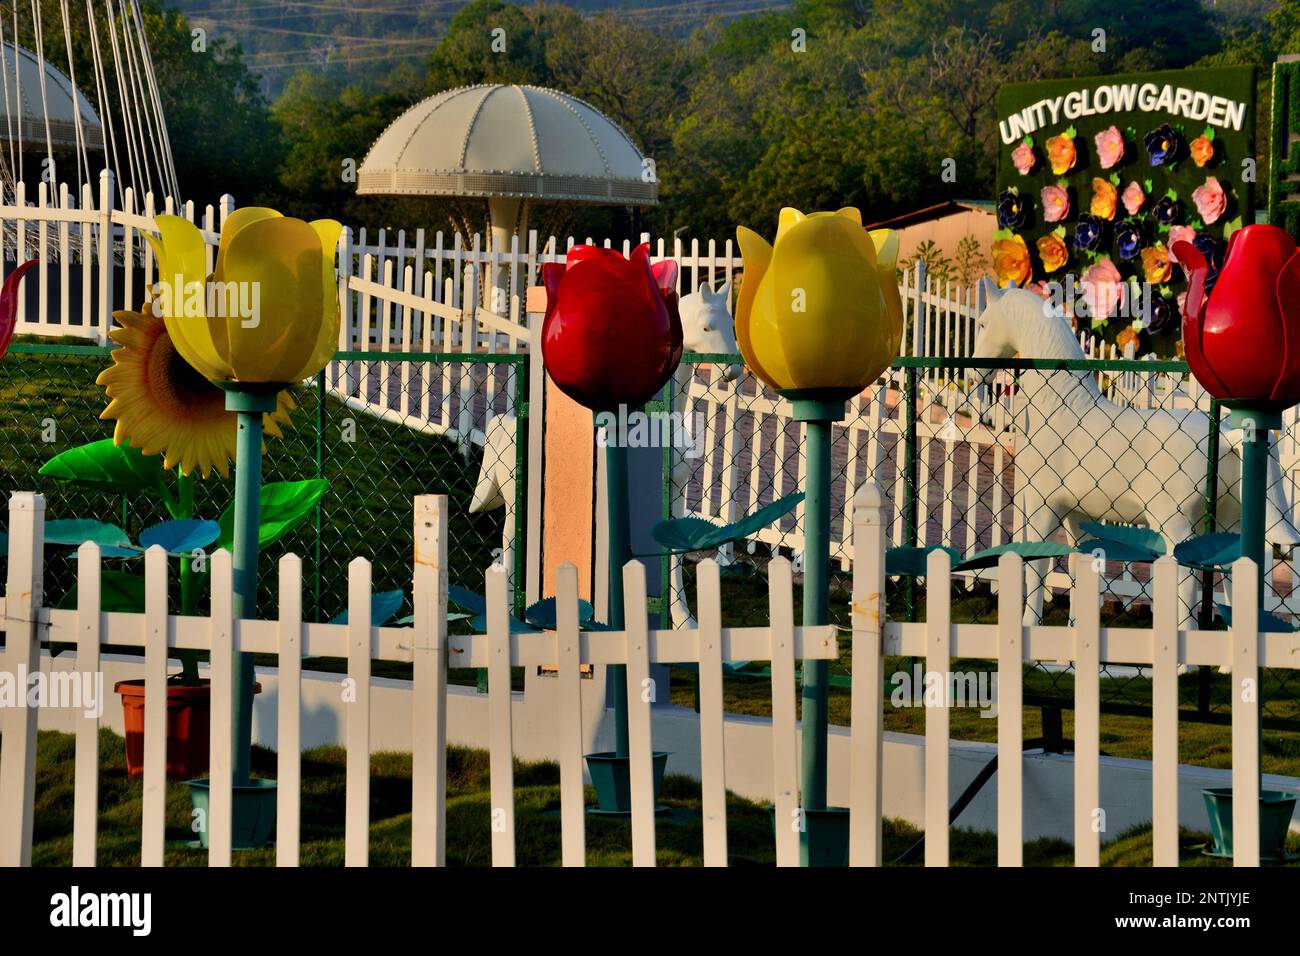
(1126, 336)
(1202, 150)
(1011, 261)
(1156, 267)
(1061, 153)
(1051, 249)
(1104, 198)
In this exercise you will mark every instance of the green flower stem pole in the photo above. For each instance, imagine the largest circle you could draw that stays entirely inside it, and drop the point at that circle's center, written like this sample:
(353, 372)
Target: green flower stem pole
(818, 410)
(620, 552)
(189, 579)
(1254, 489)
(250, 405)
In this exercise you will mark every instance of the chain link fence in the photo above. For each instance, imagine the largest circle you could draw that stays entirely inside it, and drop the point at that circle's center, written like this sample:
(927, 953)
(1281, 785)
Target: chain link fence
(972, 454)
(376, 461)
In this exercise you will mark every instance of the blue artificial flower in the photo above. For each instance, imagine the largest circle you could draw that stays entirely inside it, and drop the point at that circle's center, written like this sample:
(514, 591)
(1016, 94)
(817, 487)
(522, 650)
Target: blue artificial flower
(1011, 210)
(1167, 211)
(1213, 250)
(1087, 232)
(1162, 145)
(1129, 238)
(1160, 313)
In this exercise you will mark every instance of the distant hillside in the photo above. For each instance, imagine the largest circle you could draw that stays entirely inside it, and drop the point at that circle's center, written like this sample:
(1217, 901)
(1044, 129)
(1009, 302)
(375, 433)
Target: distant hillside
(365, 40)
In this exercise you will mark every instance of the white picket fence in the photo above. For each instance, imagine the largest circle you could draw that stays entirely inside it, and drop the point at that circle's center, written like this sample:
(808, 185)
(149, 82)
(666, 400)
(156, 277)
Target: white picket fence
(426, 646)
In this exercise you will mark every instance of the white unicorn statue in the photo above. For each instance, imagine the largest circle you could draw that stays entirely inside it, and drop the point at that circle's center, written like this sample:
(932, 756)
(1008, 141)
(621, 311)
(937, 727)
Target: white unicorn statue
(1081, 457)
(706, 327)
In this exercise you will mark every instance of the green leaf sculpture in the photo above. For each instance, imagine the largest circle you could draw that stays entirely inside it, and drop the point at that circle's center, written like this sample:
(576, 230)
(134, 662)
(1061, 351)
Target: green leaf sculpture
(284, 505)
(681, 535)
(104, 466)
(118, 591)
(1268, 623)
(382, 608)
(76, 531)
(1208, 552)
(910, 562)
(1029, 550)
(1122, 543)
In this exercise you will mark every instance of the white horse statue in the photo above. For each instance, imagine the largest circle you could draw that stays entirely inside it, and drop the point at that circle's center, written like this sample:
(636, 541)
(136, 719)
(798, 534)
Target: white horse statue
(1081, 457)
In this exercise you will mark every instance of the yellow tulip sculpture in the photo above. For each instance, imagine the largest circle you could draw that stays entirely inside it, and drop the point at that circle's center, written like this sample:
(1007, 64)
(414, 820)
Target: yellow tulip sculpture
(267, 317)
(819, 319)
(282, 267)
(819, 309)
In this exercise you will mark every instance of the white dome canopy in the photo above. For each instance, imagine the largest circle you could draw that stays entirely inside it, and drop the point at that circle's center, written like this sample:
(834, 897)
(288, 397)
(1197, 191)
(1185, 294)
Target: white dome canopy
(498, 141)
(23, 114)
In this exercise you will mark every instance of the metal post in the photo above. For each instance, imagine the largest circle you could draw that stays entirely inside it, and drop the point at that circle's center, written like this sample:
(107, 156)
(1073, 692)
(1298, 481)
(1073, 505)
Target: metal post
(619, 554)
(818, 410)
(249, 408)
(1254, 483)
(1206, 615)
(910, 479)
(816, 606)
(320, 473)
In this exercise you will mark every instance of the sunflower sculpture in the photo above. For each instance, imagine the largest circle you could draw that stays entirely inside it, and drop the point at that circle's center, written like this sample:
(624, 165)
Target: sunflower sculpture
(162, 404)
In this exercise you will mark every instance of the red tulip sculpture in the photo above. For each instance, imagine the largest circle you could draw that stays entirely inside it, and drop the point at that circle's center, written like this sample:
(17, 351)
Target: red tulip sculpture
(1243, 339)
(1243, 345)
(9, 304)
(611, 340)
(611, 335)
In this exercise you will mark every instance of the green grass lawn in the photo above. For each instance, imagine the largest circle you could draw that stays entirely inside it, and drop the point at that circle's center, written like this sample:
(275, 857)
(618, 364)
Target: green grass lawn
(679, 835)
(52, 404)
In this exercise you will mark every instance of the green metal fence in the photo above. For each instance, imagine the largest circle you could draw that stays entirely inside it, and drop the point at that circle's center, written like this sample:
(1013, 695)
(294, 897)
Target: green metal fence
(374, 465)
(944, 439)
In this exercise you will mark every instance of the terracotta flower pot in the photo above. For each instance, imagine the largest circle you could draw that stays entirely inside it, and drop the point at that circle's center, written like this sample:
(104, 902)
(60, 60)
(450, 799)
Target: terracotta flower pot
(188, 727)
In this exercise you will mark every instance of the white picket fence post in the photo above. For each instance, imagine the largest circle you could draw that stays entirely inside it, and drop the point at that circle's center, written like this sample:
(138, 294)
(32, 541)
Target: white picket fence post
(23, 600)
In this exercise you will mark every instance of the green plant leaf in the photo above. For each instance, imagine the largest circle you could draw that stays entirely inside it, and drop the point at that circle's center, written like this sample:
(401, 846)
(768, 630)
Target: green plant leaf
(1029, 550)
(77, 531)
(118, 591)
(910, 562)
(103, 466)
(764, 516)
(284, 505)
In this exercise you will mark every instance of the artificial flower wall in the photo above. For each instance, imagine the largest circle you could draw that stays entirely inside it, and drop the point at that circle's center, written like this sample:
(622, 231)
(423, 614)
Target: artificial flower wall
(1089, 208)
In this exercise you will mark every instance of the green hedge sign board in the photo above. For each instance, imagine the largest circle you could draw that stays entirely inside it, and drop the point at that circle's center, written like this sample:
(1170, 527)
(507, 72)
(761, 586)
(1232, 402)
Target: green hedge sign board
(1098, 176)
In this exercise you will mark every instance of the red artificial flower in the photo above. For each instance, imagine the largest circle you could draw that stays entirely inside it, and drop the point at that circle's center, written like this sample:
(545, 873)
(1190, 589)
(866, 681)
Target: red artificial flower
(612, 335)
(9, 304)
(1243, 340)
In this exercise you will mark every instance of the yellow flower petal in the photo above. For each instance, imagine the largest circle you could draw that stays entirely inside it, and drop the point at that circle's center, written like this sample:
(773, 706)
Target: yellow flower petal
(757, 255)
(283, 256)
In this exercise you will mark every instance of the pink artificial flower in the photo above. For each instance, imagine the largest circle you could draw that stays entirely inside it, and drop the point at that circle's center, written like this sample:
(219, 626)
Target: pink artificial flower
(1133, 198)
(1210, 200)
(1023, 158)
(1056, 203)
(1110, 147)
(1103, 289)
(1179, 234)
(1039, 289)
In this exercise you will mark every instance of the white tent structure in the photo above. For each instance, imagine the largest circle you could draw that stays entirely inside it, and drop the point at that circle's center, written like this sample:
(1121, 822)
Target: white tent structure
(54, 118)
(512, 146)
